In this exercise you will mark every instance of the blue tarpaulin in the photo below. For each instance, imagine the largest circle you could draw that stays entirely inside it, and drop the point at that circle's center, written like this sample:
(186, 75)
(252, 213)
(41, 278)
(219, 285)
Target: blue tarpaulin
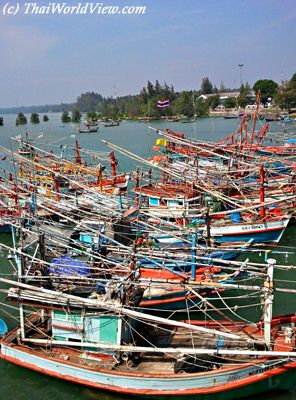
(66, 265)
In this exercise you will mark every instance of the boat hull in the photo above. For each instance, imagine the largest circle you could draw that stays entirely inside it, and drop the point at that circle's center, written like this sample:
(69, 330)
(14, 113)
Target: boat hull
(173, 299)
(219, 385)
(5, 228)
(270, 231)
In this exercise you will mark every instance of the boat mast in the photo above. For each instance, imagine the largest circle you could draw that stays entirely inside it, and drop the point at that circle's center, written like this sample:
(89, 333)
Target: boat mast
(262, 207)
(193, 255)
(268, 301)
(113, 163)
(77, 153)
(19, 260)
(255, 115)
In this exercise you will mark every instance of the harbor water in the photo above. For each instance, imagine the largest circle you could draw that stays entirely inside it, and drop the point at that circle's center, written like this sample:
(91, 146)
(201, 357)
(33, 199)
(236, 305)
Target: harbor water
(19, 383)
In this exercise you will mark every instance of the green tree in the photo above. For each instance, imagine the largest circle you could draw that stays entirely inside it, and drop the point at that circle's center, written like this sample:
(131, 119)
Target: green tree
(1, 121)
(88, 101)
(215, 89)
(206, 86)
(45, 118)
(268, 88)
(34, 118)
(201, 108)
(21, 119)
(213, 101)
(157, 88)
(286, 96)
(230, 102)
(91, 115)
(65, 118)
(244, 94)
(281, 98)
(150, 89)
(144, 95)
(184, 104)
(76, 116)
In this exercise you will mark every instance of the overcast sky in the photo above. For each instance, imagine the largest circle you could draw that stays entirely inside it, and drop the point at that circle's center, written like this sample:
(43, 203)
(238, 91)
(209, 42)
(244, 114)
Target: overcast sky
(48, 59)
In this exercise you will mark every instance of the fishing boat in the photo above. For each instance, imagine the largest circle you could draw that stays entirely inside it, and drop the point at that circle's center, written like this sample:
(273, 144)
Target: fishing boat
(90, 328)
(54, 176)
(271, 117)
(91, 122)
(25, 148)
(88, 129)
(188, 120)
(104, 344)
(108, 124)
(171, 200)
(173, 119)
(230, 115)
(287, 120)
(269, 230)
(285, 150)
(7, 217)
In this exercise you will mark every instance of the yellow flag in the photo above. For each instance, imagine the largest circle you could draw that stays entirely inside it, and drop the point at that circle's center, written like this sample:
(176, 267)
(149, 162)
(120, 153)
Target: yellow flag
(161, 142)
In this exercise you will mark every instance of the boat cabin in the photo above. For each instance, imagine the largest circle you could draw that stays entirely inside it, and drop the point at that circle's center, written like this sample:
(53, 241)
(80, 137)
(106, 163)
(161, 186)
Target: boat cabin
(93, 328)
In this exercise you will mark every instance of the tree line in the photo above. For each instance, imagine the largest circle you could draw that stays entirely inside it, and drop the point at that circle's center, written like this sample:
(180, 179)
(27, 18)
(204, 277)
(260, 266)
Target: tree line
(21, 119)
(186, 102)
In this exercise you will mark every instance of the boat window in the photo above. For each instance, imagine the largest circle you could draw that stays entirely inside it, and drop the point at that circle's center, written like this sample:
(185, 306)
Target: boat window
(153, 201)
(174, 203)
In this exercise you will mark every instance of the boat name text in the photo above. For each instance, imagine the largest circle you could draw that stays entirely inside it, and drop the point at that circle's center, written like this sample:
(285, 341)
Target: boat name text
(249, 227)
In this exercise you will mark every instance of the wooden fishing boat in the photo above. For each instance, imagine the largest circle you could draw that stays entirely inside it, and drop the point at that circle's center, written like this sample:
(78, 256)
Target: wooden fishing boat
(52, 176)
(88, 129)
(10, 210)
(271, 117)
(172, 200)
(102, 341)
(91, 271)
(188, 120)
(102, 345)
(152, 376)
(169, 293)
(7, 220)
(109, 124)
(25, 147)
(268, 230)
(162, 287)
(288, 149)
(230, 115)
(91, 122)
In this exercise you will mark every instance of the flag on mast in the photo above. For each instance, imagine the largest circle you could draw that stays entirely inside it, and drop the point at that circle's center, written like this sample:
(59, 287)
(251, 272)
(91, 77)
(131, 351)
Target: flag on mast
(163, 103)
(162, 142)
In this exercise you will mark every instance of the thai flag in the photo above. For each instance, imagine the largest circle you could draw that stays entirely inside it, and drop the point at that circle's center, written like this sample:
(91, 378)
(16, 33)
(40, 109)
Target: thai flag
(163, 103)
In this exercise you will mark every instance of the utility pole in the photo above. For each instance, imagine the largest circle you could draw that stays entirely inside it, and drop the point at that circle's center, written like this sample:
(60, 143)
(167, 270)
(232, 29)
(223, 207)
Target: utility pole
(241, 73)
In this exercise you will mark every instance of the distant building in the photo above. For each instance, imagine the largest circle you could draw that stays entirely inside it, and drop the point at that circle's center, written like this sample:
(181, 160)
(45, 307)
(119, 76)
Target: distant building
(227, 95)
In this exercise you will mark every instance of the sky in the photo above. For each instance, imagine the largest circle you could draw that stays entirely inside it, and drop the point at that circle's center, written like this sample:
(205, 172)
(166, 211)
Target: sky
(53, 58)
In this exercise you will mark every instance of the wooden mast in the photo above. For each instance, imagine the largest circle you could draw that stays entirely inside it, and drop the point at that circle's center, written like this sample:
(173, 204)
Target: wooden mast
(77, 153)
(262, 207)
(255, 116)
(268, 301)
(113, 163)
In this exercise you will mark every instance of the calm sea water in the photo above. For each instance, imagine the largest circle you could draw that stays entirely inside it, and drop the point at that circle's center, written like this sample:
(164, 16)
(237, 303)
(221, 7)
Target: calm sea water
(21, 384)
